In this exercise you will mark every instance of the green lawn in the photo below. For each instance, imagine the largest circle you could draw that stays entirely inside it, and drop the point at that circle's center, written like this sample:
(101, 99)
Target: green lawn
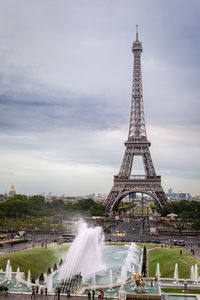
(148, 245)
(167, 258)
(37, 260)
(180, 291)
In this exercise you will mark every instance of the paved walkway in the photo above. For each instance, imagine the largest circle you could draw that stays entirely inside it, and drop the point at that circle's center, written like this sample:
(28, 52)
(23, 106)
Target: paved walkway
(14, 296)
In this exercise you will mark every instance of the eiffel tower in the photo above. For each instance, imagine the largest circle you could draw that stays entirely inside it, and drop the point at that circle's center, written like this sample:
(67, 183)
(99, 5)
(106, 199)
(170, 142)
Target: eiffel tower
(136, 145)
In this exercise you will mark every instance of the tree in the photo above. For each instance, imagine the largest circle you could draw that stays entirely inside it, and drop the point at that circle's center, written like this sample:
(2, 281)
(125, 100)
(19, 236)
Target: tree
(41, 278)
(61, 263)
(55, 268)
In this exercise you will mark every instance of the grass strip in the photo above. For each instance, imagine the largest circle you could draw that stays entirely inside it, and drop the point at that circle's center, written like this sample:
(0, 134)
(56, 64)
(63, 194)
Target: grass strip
(167, 258)
(180, 291)
(38, 260)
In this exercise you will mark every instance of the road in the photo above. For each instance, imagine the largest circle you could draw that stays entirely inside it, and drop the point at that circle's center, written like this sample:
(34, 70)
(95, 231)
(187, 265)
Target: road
(7, 248)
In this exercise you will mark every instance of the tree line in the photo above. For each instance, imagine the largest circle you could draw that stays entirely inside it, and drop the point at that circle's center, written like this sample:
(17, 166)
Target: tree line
(21, 206)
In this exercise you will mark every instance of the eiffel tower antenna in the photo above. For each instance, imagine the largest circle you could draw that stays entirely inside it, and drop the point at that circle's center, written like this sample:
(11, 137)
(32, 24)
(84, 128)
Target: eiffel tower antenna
(136, 33)
(136, 145)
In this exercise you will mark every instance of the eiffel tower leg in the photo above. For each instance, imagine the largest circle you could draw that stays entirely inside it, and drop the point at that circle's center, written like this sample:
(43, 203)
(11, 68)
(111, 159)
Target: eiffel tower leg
(148, 163)
(123, 187)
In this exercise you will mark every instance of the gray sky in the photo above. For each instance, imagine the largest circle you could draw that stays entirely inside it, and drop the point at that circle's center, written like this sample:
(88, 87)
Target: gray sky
(65, 92)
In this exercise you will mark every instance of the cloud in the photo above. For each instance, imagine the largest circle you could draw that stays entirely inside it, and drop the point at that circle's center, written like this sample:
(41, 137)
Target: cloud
(65, 91)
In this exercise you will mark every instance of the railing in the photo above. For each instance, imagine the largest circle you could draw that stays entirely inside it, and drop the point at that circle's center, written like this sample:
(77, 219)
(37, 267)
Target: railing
(138, 177)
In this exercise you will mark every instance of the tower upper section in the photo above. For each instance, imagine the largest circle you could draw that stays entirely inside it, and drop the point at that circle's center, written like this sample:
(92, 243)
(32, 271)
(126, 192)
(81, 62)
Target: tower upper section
(137, 129)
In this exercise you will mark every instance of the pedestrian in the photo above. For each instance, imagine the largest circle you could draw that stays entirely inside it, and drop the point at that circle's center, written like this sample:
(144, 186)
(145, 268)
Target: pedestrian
(59, 291)
(102, 294)
(68, 293)
(99, 294)
(151, 282)
(6, 290)
(93, 294)
(156, 280)
(55, 294)
(37, 289)
(89, 295)
(41, 291)
(33, 292)
(185, 284)
(45, 293)
(180, 252)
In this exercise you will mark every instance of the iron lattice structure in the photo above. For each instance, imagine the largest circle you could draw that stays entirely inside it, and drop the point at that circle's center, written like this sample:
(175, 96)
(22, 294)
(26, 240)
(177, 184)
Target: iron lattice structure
(136, 145)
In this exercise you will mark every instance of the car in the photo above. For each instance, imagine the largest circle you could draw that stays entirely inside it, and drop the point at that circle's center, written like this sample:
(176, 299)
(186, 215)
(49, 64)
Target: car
(16, 237)
(156, 241)
(181, 243)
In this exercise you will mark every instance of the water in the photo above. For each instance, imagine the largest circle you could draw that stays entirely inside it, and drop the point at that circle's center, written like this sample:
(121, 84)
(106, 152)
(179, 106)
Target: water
(50, 284)
(196, 275)
(29, 279)
(84, 255)
(176, 273)
(192, 276)
(158, 271)
(111, 280)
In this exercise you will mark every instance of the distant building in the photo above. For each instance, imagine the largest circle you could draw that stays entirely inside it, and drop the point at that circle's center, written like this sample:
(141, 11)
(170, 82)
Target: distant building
(12, 191)
(3, 197)
(178, 196)
(196, 198)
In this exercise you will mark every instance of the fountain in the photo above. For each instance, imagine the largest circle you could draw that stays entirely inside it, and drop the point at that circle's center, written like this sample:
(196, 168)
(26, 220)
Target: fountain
(10, 274)
(84, 255)
(111, 280)
(8, 269)
(18, 278)
(176, 273)
(94, 281)
(50, 284)
(196, 275)
(158, 271)
(29, 279)
(192, 273)
(123, 274)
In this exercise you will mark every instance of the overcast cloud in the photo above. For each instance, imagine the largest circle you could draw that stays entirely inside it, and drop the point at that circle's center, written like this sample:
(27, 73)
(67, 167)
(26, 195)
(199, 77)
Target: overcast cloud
(65, 92)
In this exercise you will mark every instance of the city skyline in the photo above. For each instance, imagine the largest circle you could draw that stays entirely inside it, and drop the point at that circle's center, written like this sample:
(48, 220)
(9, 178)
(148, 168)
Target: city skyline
(65, 92)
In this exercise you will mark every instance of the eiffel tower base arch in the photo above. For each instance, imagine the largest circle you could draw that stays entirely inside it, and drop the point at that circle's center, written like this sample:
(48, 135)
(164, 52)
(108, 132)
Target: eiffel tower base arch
(123, 187)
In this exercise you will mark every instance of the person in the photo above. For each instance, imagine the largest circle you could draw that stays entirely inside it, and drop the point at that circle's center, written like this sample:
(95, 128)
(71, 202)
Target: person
(68, 293)
(37, 289)
(99, 294)
(45, 293)
(102, 294)
(6, 291)
(33, 292)
(55, 294)
(180, 252)
(59, 291)
(185, 284)
(93, 294)
(89, 295)
(41, 291)
(156, 280)
(151, 282)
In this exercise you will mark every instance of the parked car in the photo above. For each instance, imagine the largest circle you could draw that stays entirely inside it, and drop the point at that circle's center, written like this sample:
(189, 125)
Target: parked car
(181, 243)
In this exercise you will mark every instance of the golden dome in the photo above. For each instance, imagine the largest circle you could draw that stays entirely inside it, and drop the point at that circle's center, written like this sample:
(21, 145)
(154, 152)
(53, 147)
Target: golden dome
(12, 189)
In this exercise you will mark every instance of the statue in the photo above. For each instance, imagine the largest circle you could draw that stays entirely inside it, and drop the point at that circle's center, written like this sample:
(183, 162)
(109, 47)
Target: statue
(139, 282)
